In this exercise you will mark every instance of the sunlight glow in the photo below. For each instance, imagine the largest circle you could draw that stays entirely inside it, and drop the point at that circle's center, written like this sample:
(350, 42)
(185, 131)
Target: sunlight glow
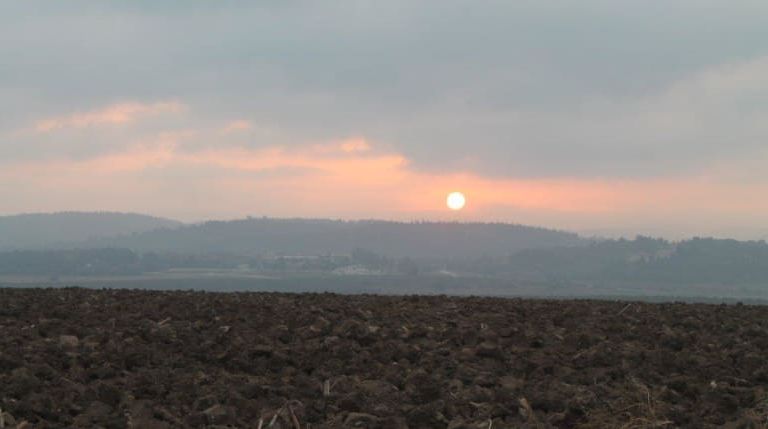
(456, 201)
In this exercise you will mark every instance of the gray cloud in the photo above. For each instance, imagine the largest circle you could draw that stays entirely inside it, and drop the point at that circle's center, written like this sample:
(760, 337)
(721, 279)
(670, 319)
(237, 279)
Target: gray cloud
(528, 88)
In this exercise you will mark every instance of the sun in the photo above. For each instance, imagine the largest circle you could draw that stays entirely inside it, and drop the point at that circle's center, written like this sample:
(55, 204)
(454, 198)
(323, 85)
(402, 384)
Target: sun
(456, 201)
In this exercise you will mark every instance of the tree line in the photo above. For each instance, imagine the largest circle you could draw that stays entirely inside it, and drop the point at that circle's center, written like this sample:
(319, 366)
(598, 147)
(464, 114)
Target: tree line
(643, 259)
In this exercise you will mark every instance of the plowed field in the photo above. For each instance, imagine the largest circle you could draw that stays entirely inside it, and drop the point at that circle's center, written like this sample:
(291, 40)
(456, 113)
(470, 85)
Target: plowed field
(138, 359)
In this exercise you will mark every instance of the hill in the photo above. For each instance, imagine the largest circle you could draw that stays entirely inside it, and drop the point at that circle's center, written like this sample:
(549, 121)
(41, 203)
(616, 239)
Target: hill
(318, 237)
(644, 260)
(45, 230)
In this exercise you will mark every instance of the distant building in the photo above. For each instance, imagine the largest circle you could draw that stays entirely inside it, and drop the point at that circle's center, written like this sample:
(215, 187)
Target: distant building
(356, 270)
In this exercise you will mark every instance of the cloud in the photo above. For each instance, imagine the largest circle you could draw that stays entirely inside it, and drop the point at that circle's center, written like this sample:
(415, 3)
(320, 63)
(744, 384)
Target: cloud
(172, 180)
(714, 115)
(355, 145)
(239, 125)
(115, 114)
(351, 146)
(547, 114)
(504, 88)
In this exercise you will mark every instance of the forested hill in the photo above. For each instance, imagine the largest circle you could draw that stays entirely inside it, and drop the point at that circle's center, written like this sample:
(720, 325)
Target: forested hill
(316, 237)
(46, 230)
(644, 259)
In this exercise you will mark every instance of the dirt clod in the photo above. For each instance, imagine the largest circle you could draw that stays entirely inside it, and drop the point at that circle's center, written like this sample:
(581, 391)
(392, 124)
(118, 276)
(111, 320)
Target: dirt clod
(69, 341)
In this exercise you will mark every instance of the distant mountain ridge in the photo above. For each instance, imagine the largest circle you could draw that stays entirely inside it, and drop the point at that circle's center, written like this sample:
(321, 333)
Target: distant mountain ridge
(49, 230)
(322, 236)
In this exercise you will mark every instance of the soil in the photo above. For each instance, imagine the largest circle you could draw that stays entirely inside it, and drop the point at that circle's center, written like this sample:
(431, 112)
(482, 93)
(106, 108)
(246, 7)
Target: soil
(138, 359)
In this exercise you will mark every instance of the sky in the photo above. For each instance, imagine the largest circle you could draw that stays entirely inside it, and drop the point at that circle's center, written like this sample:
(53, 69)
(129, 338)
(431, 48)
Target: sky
(601, 117)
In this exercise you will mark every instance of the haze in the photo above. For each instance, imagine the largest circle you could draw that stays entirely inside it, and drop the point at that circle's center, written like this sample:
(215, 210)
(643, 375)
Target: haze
(603, 117)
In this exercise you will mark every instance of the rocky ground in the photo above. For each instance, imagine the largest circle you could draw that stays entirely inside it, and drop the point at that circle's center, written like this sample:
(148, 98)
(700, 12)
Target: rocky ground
(138, 359)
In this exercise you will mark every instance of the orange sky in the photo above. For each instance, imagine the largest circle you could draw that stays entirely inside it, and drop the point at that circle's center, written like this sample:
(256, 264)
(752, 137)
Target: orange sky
(350, 178)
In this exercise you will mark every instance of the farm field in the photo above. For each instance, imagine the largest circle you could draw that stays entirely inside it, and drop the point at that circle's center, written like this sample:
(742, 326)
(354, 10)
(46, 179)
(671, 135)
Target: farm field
(235, 281)
(114, 358)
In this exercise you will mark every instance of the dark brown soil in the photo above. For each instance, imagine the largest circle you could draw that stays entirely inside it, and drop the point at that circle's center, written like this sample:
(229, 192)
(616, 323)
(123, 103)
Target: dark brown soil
(137, 359)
